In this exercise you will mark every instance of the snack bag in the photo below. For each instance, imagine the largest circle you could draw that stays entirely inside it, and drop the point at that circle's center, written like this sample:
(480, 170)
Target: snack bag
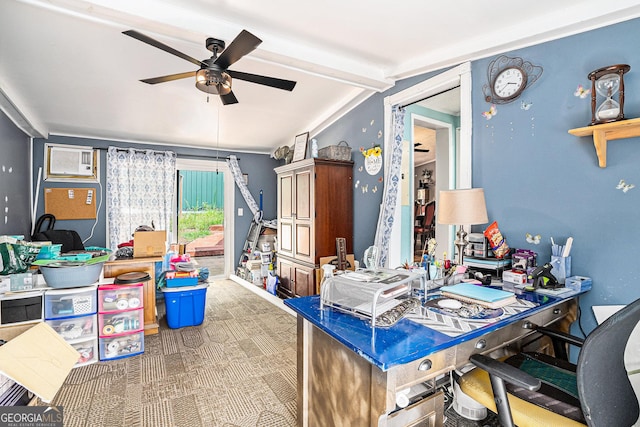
(496, 241)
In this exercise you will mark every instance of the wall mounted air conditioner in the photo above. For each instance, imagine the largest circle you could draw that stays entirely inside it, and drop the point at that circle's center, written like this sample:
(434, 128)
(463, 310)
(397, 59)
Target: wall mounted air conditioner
(71, 161)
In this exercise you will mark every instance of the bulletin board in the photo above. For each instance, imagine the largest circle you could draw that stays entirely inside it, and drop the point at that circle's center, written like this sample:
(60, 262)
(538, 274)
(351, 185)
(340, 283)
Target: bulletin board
(70, 203)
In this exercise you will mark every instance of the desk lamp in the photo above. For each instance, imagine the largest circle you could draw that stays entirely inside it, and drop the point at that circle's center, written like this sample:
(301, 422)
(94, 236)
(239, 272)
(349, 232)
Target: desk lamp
(460, 207)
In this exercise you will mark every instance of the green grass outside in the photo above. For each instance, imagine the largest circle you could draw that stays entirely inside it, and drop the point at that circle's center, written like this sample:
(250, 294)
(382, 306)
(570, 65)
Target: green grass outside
(194, 224)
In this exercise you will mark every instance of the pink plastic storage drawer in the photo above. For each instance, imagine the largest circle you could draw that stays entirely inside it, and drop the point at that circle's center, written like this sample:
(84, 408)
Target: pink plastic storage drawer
(121, 322)
(121, 346)
(119, 297)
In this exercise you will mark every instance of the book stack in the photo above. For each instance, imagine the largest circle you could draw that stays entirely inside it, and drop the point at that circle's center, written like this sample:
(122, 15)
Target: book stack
(475, 294)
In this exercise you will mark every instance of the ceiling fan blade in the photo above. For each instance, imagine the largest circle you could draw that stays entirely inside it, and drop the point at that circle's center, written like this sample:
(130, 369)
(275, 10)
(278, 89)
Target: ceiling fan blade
(169, 78)
(263, 80)
(229, 98)
(155, 43)
(244, 43)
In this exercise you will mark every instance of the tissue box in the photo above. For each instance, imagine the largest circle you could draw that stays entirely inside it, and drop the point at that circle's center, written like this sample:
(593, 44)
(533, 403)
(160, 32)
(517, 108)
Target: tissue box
(578, 283)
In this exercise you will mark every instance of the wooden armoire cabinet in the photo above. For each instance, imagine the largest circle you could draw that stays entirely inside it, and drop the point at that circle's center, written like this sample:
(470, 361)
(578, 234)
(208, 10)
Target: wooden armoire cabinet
(315, 206)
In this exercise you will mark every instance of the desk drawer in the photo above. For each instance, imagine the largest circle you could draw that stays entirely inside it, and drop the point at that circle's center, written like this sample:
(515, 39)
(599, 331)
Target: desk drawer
(446, 360)
(509, 334)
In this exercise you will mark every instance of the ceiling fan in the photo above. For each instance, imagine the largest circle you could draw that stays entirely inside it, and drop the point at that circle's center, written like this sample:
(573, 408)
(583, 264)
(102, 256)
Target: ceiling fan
(214, 77)
(420, 150)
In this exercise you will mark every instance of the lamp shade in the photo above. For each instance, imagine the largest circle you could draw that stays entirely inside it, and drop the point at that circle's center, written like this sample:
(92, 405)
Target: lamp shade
(465, 206)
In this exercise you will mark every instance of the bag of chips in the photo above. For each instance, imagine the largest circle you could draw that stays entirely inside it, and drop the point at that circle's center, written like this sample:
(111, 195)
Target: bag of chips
(497, 242)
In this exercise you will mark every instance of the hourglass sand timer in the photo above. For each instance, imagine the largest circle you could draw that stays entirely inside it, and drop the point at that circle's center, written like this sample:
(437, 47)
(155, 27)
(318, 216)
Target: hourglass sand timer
(608, 82)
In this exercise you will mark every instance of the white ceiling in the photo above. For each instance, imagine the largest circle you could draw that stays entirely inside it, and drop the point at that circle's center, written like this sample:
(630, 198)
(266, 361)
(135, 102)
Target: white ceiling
(66, 69)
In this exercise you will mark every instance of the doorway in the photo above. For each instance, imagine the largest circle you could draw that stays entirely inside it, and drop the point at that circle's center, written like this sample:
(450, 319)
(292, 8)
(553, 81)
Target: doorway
(434, 137)
(401, 242)
(203, 214)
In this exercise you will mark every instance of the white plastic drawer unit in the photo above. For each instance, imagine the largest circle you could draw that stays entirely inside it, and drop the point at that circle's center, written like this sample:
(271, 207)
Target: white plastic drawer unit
(74, 329)
(21, 307)
(112, 298)
(87, 351)
(69, 302)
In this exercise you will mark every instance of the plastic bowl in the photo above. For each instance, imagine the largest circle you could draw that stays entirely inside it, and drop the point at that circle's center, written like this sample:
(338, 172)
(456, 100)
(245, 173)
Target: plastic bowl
(73, 276)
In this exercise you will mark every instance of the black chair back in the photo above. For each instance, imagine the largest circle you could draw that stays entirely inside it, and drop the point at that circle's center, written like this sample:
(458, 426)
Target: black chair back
(606, 395)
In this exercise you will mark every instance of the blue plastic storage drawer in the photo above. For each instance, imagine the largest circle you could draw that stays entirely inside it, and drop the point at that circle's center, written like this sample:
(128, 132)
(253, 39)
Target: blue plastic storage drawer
(185, 305)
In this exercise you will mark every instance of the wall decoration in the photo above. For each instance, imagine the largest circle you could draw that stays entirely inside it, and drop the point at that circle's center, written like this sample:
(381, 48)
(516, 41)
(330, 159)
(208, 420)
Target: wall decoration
(489, 114)
(375, 189)
(300, 146)
(373, 160)
(508, 78)
(379, 134)
(533, 239)
(622, 185)
(365, 188)
(357, 183)
(581, 92)
(608, 82)
(364, 130)
(525, 105)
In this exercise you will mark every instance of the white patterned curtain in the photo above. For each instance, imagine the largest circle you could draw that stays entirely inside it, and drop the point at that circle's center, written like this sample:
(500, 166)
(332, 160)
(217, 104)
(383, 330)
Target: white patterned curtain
(140, 186)
(234, 167)
(391, 188)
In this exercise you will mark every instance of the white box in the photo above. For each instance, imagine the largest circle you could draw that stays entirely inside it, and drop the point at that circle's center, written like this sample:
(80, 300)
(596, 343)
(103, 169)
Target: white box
(5, 284)
(514, 277)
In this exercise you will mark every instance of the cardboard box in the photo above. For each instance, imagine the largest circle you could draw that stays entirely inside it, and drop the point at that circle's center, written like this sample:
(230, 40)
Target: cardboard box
(39, 360)
(351, 265)
(147, 244)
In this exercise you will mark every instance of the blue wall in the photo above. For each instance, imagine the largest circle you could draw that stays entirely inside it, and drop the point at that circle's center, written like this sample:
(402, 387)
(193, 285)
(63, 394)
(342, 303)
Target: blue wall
(259, 167)
(539, 179)
(14, 182)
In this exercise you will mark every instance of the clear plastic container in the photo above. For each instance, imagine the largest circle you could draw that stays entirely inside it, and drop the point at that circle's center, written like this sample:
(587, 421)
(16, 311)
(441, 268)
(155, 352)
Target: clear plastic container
(122, 346)
(121, 322)
(87, 351)
(74, 329)
(69, 302)
(112, 298)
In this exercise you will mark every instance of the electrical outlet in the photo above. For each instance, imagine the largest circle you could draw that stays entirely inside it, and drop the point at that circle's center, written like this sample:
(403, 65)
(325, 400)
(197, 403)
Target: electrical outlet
(240, 211)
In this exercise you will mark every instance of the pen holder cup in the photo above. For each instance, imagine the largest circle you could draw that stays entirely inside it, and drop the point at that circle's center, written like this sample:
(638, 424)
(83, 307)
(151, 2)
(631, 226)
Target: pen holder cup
(561, 267)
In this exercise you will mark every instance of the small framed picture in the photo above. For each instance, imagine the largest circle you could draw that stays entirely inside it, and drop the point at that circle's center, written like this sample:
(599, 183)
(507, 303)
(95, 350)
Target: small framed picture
(300, 146)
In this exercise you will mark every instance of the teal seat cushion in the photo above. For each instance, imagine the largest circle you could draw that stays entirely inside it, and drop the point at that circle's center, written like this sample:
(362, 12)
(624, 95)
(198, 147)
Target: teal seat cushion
(559, 390)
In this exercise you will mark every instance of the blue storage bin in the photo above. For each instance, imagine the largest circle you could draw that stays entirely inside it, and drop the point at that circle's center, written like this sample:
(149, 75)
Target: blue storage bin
(185, 305)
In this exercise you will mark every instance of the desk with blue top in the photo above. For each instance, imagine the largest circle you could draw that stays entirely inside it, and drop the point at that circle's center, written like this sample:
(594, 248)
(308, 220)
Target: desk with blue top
(350, 373)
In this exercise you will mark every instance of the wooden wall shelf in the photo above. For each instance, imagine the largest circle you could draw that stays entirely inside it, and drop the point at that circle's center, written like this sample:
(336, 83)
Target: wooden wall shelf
(608, 132)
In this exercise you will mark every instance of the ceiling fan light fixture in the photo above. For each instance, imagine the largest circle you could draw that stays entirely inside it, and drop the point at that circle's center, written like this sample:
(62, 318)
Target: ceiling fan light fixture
(213, 82)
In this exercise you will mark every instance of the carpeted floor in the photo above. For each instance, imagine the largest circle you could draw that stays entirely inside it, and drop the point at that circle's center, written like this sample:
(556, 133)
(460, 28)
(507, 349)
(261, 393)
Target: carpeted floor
(236, 369)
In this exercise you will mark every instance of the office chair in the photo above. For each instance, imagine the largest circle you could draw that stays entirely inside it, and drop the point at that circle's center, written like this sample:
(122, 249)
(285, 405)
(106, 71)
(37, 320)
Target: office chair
(554, 392)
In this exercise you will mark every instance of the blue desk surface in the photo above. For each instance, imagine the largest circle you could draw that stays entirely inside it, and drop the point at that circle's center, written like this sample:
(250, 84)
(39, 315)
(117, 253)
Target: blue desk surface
(402, 343)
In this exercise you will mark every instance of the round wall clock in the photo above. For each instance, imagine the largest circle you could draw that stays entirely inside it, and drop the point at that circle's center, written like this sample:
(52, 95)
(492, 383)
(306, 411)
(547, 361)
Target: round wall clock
(508, 78)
